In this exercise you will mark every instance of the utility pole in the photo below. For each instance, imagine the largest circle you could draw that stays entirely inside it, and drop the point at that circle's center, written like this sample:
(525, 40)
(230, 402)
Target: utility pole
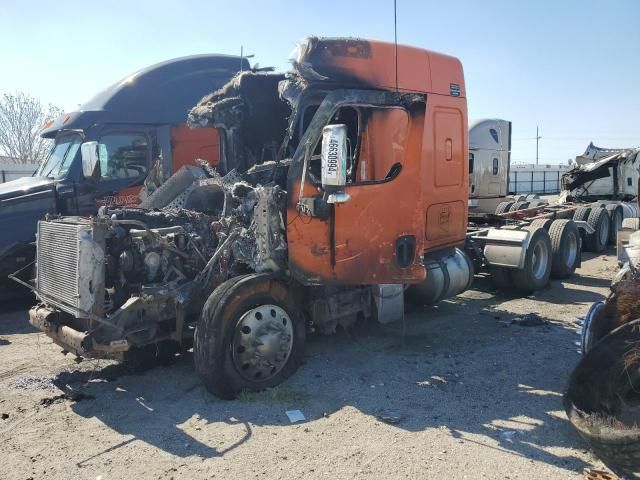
(243, 56)
(538, 137)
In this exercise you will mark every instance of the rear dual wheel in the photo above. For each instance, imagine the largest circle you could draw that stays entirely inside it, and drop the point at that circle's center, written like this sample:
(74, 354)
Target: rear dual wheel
(542, 222)
(565, 248)
(617, 216)
(537, 265)
(250, 335)
(503, 207)
(598, 220)
(518, 206)
(581, 214)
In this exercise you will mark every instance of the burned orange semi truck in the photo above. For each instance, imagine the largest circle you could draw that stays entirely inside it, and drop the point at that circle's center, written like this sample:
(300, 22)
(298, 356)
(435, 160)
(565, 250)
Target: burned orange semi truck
(342, 183)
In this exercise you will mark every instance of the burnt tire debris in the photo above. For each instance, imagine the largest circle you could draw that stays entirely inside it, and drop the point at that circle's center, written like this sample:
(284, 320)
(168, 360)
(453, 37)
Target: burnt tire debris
(602, 400)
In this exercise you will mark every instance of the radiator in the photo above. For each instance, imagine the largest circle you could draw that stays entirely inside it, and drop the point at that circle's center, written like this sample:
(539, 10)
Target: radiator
(69, 266)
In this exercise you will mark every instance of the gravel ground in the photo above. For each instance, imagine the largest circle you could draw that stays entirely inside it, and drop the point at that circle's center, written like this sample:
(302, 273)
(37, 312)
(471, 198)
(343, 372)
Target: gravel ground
(458, 392)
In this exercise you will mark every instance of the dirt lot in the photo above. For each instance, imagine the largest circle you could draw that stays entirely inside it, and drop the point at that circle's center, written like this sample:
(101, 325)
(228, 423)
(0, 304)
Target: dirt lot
(457, 393)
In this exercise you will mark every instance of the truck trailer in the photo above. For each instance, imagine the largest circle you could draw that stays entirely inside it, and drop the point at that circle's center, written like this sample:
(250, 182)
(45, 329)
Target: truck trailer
(138, 123)
(342, 187)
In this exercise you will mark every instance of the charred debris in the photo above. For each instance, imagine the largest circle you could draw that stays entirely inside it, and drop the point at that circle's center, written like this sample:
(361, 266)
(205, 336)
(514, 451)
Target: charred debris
(602, 400)
(603, 173)
(202, 225)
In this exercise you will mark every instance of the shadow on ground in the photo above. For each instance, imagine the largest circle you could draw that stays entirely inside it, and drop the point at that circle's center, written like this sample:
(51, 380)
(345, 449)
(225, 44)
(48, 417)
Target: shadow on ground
(471, 374)
(13, 315)
(421, 375)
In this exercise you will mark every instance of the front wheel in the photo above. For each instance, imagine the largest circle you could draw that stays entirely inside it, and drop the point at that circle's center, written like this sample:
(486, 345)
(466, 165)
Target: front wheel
(250, 335)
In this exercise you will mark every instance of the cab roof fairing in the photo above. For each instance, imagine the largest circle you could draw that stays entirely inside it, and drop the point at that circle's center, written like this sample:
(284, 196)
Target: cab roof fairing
(158, 94)
(481, 137)
(357, 62)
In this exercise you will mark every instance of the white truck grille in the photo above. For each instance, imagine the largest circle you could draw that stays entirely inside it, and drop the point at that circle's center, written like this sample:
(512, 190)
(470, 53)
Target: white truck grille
(69, 266)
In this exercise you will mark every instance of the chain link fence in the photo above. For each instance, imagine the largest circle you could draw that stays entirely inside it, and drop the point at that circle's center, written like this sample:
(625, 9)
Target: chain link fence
(10, 172)
(523, 181)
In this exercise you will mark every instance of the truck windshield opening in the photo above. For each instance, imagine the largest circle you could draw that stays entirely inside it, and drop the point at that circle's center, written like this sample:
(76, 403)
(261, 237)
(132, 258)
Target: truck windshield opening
(62, 154)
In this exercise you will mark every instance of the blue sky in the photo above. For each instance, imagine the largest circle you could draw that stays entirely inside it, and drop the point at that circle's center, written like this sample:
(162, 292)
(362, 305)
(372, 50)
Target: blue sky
(571, 66)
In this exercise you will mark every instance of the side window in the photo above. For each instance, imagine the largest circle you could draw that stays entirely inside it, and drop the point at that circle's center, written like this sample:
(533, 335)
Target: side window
(629, 181)
(380, 150)
(123, 156)
(495, 166)
(471, 158)
(377, 140)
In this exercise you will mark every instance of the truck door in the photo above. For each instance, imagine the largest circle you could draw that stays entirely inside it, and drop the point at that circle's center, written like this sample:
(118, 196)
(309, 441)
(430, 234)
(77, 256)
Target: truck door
(377, 236)
(124, 161)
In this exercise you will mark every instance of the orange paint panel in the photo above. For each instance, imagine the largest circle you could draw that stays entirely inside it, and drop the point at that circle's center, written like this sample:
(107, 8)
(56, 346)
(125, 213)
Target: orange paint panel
(448, 165)
(374, 62)
(189, 144)
(383, 144)
(308, 241)
(447, 183)
(426, 200)
(445, 221)
(368, 226)
(445, 71)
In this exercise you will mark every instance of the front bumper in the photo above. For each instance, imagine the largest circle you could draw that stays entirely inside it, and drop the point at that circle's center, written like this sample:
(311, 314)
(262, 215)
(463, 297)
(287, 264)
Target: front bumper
(46, 319)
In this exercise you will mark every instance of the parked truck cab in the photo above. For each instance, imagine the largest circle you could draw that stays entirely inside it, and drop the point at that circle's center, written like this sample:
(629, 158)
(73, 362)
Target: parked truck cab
(489, 162)
(139, 127)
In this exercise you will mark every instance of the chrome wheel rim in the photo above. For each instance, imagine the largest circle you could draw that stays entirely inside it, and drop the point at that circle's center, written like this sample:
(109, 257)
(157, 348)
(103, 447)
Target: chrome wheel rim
(262, 342)
(539, 260)
(572, 250)
(587, 326)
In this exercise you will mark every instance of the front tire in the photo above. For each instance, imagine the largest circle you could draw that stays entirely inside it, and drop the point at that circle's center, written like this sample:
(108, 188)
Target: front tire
(250, 335)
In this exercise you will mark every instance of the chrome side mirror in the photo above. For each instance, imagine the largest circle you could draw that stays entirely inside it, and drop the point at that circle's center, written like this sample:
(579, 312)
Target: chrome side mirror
(90, 158)
(334, 163)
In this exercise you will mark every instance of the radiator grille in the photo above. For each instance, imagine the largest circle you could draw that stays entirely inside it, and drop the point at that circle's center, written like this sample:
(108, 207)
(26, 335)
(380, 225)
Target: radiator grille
(57, 261)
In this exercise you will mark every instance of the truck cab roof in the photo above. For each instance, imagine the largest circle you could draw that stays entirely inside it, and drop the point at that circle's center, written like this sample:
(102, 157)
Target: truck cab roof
(489, 134)
(374, 63)
(158, 94)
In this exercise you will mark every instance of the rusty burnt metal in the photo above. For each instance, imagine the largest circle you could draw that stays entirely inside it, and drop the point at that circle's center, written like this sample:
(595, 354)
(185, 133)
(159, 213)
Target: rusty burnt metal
(602, 400)
(602, 173)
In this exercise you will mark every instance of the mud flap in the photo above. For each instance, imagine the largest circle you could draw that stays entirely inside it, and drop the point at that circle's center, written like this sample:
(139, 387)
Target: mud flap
(506, 248)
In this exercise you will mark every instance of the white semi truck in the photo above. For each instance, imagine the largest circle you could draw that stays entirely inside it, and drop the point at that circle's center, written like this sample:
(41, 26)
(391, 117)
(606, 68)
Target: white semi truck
(603, 179)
